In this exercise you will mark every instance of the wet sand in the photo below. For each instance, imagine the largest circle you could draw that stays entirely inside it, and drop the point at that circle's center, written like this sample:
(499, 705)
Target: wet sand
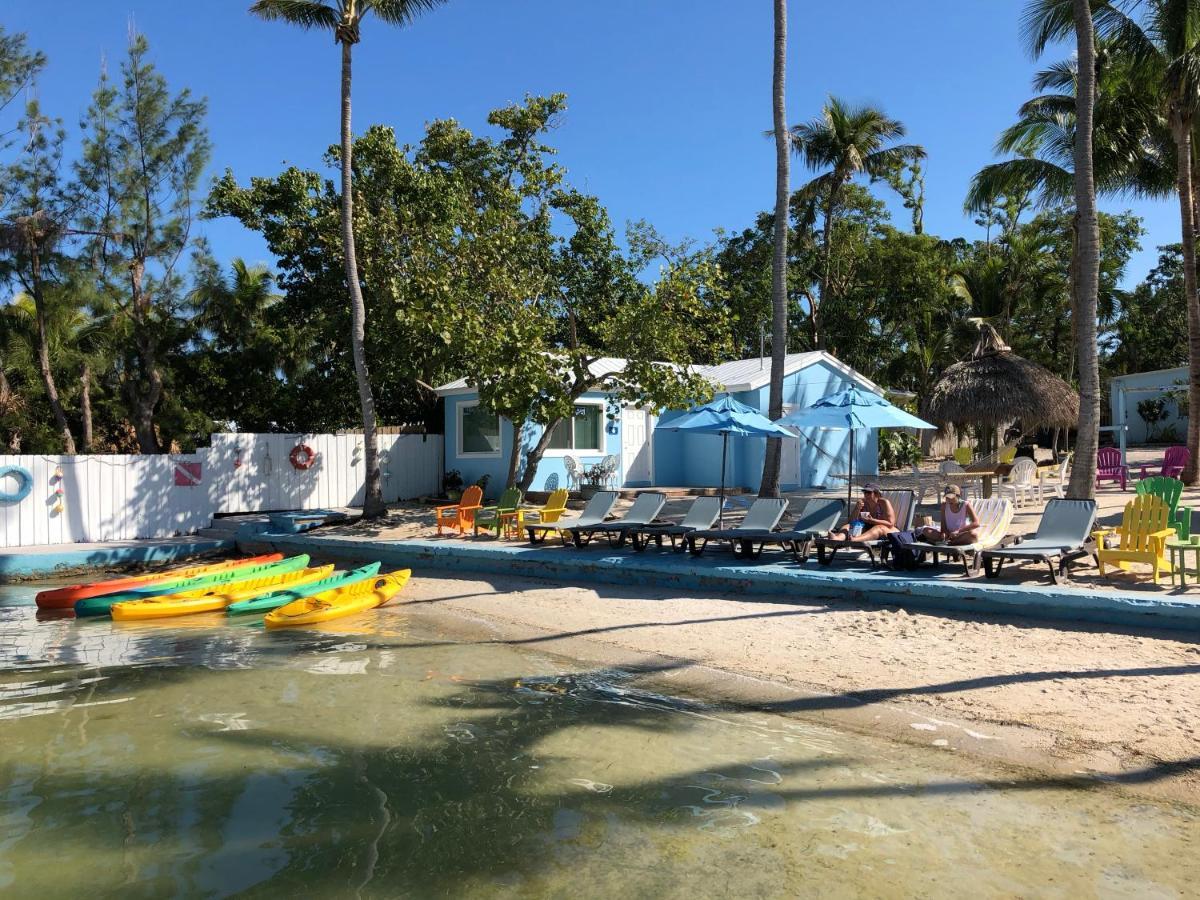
(1076, 702)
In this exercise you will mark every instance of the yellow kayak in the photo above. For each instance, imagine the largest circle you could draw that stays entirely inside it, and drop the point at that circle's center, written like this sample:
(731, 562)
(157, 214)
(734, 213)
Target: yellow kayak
(215, 598)
(334, 604)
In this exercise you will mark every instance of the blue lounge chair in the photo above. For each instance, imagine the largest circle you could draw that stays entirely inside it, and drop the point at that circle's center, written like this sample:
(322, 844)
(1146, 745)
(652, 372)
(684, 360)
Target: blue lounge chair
(594, 513)
(645, 510)
(905, 505)
(764, 514)
(701, 515)
(1063, 535)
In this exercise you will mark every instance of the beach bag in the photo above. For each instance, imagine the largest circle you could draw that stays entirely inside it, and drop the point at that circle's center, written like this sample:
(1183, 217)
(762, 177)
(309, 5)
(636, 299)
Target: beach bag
(904, 557)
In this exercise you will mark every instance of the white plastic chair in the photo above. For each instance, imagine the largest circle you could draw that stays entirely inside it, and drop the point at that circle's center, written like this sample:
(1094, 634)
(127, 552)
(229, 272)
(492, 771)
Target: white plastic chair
(1022, 482)
(1058, 479)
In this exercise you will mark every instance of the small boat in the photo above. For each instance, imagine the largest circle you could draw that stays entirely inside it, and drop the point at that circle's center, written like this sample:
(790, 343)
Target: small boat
(359, 578)
(67, 597)
(215, 598)
(100, 606)
(339, 602)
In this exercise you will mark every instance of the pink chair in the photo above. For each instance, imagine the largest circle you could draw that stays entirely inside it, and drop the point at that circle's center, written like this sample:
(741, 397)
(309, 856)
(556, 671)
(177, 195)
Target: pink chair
(1175, 460)
(1109, 466)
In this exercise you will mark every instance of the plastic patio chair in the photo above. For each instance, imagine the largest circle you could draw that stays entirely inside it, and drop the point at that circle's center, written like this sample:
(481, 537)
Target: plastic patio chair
(594, 513)
(1063, 536)
(964, 455)
(1142, 537)
(970, 487)
(1175, 460)
(1169, 491)
(1109, 466)
(495, 518)
(460, 516)
(1022, 482)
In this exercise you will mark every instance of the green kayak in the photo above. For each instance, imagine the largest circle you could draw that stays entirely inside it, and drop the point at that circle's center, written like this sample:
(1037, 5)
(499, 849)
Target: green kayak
(276, 599)
(100, 606)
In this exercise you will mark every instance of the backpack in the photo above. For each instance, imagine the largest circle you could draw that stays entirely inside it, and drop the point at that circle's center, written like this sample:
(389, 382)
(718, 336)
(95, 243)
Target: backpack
(904, 557)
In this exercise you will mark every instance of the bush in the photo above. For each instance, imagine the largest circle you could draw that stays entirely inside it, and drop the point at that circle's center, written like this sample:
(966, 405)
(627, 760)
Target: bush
(453, 480)
(897, 450)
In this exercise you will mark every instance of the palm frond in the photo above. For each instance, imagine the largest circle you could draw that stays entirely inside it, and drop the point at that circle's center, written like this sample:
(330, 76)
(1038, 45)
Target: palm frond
(305, 13)
(881, 161)
(1052, 183)
(400, 12)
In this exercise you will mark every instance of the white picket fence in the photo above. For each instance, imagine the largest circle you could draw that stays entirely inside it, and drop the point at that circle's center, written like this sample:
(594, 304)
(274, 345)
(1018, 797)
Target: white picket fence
(98, 498)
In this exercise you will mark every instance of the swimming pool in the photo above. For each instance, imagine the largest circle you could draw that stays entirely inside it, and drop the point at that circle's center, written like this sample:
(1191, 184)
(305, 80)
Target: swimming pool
(379, 757)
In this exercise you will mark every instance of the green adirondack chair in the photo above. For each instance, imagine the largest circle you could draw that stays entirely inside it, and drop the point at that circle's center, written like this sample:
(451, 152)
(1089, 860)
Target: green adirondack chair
(492, 517)
(1169, 491)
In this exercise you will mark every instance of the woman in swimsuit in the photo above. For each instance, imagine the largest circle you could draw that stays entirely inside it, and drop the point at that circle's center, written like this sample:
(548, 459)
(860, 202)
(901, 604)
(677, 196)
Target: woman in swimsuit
(875, 515)
(960, 524)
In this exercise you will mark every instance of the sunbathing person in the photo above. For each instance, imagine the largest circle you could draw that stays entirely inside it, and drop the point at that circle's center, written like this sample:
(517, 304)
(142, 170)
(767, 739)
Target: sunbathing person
(960, 524)
(871, 519)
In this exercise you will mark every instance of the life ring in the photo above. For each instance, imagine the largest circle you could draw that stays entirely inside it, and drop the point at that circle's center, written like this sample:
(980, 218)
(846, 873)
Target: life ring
(302, 457)
(24, 481)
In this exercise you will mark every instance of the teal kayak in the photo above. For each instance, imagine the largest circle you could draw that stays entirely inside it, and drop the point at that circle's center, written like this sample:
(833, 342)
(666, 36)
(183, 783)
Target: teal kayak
(100, 606)
(276, 599)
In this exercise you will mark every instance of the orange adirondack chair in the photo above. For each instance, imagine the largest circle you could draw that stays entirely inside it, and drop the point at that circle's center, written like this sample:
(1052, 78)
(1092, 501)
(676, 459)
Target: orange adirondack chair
(460, 516)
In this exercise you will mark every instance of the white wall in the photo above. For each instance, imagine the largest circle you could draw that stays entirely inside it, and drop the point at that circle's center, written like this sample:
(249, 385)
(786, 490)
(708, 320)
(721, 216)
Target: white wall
(110, 498)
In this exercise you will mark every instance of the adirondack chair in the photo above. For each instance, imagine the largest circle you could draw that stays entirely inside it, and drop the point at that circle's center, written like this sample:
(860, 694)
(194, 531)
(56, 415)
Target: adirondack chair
(1169, 490)
(964, 456)
(1007, 455)
(556, 505)
(459, 516)
(497, 518)
(1142, 537)
(1109, 466)
(1175, 460)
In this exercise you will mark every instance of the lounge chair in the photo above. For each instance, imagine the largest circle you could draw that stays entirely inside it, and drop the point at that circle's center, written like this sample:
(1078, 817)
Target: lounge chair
(1063, 535)
(701, 515)
(594, 513)
(903, 502)
(762, 517)
(815, 520)
(645, 509)
(995, 515)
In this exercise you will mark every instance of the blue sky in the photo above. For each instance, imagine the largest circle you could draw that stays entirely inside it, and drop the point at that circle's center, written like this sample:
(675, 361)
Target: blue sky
(668, 98)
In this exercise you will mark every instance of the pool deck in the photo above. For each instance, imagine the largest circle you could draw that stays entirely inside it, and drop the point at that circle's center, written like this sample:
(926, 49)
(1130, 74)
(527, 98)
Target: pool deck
(20, 563)
(717, 572)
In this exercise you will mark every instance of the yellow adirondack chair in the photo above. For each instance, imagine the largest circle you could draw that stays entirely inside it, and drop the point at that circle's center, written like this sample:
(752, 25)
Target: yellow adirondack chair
(460, 516)
(1007, 455)
(964, 456)
(556, 505)
(1143, 534)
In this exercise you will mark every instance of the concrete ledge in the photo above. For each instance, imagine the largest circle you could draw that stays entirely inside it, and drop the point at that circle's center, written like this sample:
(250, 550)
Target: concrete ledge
(21, 563)
(719, 573)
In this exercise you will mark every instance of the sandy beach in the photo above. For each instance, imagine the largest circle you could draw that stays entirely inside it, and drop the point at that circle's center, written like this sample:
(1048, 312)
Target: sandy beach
(1072, 702)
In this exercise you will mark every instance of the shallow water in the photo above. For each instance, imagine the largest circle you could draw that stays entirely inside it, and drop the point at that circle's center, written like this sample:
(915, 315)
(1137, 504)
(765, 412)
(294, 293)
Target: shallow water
(377, 759)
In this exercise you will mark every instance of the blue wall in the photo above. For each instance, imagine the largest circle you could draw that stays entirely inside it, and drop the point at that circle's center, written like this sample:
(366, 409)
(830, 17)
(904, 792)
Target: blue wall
(695, 460)
(551, 465)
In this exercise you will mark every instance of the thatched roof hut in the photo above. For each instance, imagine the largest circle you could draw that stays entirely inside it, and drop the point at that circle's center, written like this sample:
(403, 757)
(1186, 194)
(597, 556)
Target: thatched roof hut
(996, 387)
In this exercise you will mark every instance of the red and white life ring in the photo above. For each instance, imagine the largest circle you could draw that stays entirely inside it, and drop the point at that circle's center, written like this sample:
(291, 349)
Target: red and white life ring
(302, 457)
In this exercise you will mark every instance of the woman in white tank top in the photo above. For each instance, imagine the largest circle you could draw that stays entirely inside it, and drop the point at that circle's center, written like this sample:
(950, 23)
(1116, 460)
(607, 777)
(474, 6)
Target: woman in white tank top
(960, 525)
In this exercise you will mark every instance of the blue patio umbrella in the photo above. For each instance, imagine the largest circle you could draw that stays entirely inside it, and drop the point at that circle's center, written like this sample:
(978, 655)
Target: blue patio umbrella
(726, 416)
(850, 410)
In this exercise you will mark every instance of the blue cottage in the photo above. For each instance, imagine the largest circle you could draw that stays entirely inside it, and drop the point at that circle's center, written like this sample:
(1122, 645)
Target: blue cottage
(478, 442)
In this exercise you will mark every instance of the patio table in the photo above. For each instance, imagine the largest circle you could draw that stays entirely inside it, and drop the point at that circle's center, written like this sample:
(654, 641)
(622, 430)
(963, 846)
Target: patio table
(1179, 550)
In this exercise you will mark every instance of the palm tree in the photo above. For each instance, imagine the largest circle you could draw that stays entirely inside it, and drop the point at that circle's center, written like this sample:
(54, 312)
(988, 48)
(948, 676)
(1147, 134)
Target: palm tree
(344, 19)
(847, 141)
(769, 486)
(1161, 46)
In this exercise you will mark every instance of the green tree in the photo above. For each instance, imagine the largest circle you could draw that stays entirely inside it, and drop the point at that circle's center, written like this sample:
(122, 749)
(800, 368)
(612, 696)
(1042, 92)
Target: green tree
(143, 153)
(19, 68)
(344, 19)
(769, 486)
(1151, 330)
(847, 141)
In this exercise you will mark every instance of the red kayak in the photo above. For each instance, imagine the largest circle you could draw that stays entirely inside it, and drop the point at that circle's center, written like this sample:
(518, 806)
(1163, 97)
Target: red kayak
(66, 597)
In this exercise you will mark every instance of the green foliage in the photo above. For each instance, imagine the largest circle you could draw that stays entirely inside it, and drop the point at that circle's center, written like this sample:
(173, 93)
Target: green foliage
(1150, 331)
(897, 450)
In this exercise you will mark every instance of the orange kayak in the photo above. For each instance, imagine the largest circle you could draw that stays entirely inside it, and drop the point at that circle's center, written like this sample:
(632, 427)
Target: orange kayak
(66, 597)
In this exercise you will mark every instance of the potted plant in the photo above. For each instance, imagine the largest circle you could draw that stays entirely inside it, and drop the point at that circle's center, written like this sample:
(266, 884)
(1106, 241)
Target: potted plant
(453, 482)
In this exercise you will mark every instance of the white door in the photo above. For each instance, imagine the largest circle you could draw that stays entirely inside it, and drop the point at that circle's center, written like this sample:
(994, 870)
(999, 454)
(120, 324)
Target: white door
(789, 459)
(636, 451)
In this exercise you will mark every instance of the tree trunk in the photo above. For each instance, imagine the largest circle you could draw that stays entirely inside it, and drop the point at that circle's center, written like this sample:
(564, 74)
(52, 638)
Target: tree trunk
(514, 456)
(769, 487)
(43, 355)
(144, 392)
(826, 258)
(373, 506)
(85, 406)
(1087, 262)
(535, 456)
(1183, 173)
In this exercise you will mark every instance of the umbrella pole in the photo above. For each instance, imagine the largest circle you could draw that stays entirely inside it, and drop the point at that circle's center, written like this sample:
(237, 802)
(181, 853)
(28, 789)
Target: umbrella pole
(721, 508)
(850, 481)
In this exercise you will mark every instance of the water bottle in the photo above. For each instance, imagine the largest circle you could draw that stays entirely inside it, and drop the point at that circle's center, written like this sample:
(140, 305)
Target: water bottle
(856, 528)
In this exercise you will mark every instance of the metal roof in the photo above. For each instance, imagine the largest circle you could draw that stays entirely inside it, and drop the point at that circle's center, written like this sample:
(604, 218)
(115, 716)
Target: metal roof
(606, 365)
